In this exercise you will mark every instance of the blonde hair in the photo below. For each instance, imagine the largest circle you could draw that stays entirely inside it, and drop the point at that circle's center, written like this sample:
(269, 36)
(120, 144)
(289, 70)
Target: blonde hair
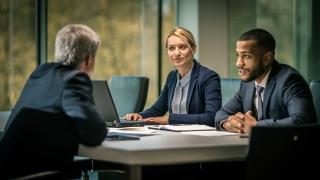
(74, 43)
(185, 35)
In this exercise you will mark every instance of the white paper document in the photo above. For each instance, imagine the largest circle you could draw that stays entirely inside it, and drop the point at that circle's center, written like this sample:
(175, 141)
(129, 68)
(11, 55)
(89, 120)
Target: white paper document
(210, 133)
(138, 131)
(181, 128)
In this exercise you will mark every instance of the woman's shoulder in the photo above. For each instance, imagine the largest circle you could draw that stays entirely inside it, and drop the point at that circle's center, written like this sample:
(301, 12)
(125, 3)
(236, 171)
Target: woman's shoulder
(205, 71)
(172, 74)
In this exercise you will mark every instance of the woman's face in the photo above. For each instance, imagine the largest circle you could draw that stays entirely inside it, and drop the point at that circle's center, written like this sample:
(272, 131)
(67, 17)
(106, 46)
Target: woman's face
(179, 53)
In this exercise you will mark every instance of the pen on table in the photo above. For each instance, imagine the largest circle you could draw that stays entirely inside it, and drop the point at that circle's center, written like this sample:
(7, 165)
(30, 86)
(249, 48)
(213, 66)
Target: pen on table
(244, 136)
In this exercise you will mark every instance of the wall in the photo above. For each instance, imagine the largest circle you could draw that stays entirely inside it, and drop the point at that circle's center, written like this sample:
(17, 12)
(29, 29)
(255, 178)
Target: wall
(207, 19)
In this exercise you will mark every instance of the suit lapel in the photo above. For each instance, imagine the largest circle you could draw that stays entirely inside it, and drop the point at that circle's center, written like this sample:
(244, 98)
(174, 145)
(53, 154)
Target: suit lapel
(193, 82)
(249, 97)
(269, 88)
(171, 90)
(267, 94)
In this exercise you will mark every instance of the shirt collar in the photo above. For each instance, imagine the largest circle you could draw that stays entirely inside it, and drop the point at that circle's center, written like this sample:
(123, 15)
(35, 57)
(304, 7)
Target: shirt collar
(264, 81)
(185, 80)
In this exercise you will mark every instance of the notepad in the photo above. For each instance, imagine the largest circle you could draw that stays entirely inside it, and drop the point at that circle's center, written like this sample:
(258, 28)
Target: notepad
(180, 128)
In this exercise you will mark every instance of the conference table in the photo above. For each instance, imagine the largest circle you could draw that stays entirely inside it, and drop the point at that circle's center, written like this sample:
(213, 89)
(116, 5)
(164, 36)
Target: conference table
(167, 148)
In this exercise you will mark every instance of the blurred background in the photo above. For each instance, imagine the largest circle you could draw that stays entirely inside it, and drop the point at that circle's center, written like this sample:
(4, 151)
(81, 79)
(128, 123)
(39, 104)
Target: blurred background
(133, 34)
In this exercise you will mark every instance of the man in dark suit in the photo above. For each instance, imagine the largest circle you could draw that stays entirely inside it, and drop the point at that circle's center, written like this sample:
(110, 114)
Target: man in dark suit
(61, 90)
(284, 98)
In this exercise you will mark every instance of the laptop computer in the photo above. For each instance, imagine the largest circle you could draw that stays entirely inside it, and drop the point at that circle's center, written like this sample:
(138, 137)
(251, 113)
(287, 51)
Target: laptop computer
(105, 106)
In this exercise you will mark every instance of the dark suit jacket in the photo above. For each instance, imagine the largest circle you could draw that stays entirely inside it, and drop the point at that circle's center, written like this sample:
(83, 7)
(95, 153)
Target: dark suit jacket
(287, 99)
(203, 99)
(64, 92)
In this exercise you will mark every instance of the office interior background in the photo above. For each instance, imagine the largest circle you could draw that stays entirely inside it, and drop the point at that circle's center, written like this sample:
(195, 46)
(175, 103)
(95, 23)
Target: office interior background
(133, 34)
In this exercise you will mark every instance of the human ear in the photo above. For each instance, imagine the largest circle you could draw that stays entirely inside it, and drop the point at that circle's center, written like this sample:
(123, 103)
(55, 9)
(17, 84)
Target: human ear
(267, 57)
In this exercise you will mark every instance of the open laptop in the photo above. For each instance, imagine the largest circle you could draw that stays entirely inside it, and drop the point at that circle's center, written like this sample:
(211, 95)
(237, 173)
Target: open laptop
(105, 106)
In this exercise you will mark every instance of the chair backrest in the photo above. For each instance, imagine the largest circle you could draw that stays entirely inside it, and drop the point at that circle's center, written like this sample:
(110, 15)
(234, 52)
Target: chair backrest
(283, 152)
(315, 90)
(129, 93)
(229, 87)
(37, 141)
(4, 116)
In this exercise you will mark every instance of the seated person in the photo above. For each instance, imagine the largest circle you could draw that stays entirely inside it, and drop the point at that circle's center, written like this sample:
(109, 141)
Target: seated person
(191, 94)
(285, 98)
(63, 91)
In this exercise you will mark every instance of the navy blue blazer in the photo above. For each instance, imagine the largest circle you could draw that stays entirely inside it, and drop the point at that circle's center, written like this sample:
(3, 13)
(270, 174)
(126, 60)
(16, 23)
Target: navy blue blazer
(203, 99)
(65, 92)
(287, 99)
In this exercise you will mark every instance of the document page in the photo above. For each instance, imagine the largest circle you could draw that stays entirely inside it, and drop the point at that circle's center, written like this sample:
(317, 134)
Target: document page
(138, 131)
(180, 128)
(210, 133)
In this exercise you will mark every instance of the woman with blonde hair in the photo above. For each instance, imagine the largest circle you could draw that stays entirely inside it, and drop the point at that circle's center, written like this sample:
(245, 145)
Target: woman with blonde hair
(192, 93)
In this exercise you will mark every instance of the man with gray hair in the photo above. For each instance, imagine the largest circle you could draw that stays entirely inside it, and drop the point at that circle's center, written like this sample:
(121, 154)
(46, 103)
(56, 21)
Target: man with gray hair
(61, 90)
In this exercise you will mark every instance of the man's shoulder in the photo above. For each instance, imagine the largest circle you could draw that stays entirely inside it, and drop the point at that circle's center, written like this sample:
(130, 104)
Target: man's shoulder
(58, 71)
(75, 76)
(51, 68)
(285, 71)
(44, 68)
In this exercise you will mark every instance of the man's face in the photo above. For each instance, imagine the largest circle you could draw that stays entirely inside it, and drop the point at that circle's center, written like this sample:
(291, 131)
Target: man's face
(250, 61)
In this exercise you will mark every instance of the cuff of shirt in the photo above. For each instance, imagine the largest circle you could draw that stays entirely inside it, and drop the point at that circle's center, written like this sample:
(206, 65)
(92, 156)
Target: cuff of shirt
(221, 123)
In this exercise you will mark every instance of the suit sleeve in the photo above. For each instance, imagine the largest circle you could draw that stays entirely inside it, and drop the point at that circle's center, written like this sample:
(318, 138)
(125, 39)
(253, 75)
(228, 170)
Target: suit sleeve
(230, 108)
(160, 107)
(77, 102)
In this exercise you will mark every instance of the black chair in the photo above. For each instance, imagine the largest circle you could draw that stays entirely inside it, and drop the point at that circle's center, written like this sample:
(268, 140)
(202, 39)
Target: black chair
(283, 152)
(129, 93)
(315, 90)
(38, 141)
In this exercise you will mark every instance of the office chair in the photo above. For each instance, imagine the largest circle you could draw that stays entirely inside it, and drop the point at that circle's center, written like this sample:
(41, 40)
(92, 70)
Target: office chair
(229, 87)
(129, 93)
(37, 141)
(283, 152)
(315, 90)
(4, 116)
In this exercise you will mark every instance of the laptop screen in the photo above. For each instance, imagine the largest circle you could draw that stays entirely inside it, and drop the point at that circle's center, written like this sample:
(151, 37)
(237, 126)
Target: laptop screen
(104, 102)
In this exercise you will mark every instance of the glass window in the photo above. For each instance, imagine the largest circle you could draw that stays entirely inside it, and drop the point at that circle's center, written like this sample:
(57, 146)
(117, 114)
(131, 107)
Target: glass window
(168, 22)
(17, 48)
(275, 16)
(128, 31)
(242, 17)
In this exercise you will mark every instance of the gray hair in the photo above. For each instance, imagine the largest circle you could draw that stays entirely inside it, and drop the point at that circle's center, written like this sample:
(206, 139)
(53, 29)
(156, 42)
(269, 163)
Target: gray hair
(74, 43)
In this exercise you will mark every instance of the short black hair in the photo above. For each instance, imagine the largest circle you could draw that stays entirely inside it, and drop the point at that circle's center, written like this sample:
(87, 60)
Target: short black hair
(263, 38)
